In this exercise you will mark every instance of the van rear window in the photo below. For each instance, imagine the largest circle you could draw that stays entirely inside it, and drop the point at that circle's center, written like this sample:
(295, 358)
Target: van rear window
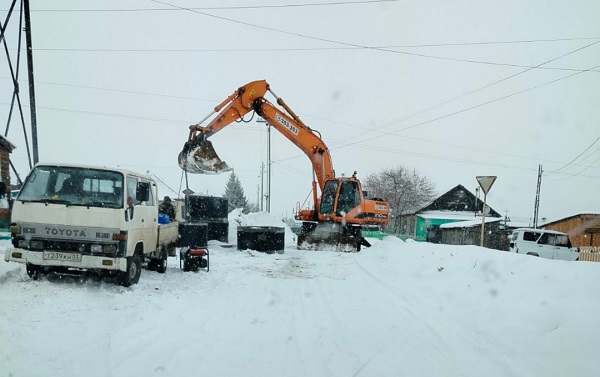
(563, 240)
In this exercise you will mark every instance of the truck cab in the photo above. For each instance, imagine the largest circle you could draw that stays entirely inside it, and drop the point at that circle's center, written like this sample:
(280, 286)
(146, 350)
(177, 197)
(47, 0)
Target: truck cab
(70, 218)
(542, 243)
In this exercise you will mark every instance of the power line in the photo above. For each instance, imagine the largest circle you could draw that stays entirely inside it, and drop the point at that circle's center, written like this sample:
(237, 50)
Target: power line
(479, 150)
(484, 103)
(347, 44)
(578, 174)
(306, 5)
(481, 88)
(442, 158)
(113, 115)
(579, 155)
(388, 49)
(118, 90)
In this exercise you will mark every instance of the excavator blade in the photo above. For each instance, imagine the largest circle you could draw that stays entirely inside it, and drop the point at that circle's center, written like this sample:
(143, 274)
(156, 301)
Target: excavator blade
(201, 158)
(330, 236)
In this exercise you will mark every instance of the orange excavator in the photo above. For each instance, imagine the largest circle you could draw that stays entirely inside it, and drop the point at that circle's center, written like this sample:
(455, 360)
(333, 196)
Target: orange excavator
(339, 211)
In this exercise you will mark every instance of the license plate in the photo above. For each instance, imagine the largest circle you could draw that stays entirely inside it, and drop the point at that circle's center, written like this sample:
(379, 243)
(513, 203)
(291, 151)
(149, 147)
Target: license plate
(55, 255)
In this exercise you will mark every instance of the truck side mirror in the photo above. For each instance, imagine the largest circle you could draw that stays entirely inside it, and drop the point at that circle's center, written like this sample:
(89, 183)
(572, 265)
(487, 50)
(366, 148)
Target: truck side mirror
(142, 193)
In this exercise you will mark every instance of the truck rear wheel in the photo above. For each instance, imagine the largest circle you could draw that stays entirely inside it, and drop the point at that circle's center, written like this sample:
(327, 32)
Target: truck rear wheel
(134, 270)
(161, 263)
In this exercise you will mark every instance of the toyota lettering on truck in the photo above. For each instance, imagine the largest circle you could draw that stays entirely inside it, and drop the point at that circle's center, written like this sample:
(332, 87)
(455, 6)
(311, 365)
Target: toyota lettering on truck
(71, 218)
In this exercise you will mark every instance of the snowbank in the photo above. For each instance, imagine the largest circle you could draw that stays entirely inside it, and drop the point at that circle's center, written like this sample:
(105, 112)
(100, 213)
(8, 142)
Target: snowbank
(395, 309)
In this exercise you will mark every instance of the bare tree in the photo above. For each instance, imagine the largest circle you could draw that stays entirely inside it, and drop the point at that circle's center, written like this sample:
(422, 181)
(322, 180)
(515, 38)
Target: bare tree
(406, 190)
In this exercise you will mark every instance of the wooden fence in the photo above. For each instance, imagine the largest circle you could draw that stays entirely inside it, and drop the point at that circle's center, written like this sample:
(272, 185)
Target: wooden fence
(589, 253)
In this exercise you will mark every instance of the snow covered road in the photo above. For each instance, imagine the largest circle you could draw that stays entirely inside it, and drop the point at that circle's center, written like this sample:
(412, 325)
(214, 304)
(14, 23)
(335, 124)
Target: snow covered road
(395, 309)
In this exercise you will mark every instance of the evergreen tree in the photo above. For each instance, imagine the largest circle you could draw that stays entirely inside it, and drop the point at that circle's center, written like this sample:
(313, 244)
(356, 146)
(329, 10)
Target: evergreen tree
(234, 193)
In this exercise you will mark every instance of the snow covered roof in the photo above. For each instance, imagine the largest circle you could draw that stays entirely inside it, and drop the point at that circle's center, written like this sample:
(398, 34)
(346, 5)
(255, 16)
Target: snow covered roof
(518, 224)
(448, 215)
(6, 143)
(470, 223)
(585, 214)
(458, 199)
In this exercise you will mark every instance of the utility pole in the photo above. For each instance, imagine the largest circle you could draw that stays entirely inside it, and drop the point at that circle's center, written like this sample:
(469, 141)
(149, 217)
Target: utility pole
(268, 195)
(34, 140)
(268, 168)
(262, 195)
(537, 198)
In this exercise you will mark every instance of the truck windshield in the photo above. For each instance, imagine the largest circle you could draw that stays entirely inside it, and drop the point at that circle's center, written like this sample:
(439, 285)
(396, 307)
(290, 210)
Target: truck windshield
(73, 186)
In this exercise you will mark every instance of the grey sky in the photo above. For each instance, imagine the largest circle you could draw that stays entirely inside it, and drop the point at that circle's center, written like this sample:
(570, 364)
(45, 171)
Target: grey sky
(443, 87)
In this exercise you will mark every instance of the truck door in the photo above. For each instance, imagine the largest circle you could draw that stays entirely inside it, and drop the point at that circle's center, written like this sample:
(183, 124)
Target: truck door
(141, 214)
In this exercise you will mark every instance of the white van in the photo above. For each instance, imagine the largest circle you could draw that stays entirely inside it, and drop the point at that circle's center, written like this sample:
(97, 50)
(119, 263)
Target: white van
(543, 243)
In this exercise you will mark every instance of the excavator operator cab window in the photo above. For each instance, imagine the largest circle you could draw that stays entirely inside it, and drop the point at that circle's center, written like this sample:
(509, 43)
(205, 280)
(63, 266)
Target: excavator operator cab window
(349, 197)
(327, 199)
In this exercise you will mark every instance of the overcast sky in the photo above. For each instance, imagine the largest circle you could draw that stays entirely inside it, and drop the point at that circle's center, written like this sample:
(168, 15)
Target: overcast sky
(453, 89)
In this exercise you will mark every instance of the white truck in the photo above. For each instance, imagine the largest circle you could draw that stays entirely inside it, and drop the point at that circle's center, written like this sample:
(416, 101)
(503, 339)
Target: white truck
(71, 218)
(542, 243)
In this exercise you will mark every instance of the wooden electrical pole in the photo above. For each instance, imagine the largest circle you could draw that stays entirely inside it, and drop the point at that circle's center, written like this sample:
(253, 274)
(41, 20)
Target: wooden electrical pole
(537, 198)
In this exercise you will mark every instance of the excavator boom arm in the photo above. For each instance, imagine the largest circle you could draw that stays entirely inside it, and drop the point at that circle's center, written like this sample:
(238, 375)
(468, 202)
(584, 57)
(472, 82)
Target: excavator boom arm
(302, 136)
(245, 99)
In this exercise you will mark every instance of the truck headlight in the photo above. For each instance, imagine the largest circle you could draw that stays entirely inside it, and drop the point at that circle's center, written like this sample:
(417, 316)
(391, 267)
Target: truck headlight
(23, 244)
(106, 249)
(110, 249)
(36, 245)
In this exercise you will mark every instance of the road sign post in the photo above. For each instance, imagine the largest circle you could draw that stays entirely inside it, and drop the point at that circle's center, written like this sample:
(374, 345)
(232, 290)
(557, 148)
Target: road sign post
(485, 182)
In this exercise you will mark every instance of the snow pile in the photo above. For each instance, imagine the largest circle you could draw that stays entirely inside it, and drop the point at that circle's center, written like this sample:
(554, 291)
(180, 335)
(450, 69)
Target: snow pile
(237, 218)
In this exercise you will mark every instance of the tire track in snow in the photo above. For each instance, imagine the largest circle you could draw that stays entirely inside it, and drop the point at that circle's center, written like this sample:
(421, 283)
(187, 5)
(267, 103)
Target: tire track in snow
(441, 327)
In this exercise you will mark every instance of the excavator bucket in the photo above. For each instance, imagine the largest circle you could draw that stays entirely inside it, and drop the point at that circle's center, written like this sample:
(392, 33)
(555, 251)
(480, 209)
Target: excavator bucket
(201, 158)
(330, 236)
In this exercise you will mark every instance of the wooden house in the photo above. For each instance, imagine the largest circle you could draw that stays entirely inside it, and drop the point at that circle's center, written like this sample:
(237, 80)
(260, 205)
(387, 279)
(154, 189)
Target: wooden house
(583, 229)
(458, 204)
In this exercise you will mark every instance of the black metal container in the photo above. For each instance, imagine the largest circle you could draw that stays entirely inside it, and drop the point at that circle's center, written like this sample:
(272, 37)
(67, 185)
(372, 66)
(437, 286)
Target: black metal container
(210, 208)
(218, 230)
(193, 235)
(269, 239)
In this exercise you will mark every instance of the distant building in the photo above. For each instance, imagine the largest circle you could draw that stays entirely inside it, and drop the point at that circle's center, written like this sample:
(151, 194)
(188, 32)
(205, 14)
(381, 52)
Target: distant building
(6, 148)
(458, 204)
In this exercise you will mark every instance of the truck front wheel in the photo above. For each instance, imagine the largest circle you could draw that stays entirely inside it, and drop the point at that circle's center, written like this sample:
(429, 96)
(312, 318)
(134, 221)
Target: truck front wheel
(33, 271)
(134, 270)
